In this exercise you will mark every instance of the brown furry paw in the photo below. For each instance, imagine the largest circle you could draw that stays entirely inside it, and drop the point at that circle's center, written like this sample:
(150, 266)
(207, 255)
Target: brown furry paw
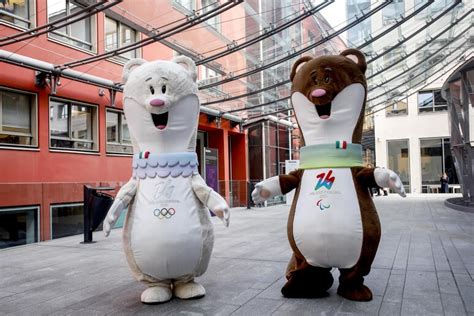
(360, 293)
(299, 287)
(292, 290)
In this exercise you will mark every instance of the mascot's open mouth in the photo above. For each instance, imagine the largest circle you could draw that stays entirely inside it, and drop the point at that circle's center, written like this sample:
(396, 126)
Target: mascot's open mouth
(160, 120)
(324, 110)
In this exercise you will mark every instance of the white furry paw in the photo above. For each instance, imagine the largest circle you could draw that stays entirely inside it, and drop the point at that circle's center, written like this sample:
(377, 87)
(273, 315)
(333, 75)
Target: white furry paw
(156, 295)
(189, 290)
(223, 213)
(260, 194)
(386, 178)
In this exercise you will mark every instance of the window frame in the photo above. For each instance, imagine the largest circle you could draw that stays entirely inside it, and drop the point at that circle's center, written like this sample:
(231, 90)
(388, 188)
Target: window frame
(203, 76)
(121, 114)
(31, 20)
(51, 217)
(69, 40)
(33, 120)
(433, 107)
(119, 58)
(95, 127)
(409, 185)
(38, 216)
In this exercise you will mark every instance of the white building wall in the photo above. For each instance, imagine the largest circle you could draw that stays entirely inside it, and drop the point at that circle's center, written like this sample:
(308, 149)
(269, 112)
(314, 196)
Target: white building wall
(412, 126)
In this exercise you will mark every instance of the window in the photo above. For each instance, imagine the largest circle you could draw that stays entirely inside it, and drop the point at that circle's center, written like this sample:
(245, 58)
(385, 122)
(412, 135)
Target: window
(118, 136)
(398, 108)
(17, 12)
(431, 101)
(119, 35)
(17, 118)
(188, 4)
(208, 76)
(78, 33)
(19, 226)
(436, 159)
(399, 160)
(67, 220)
(393, 11)
(72, 125)
(208, 5)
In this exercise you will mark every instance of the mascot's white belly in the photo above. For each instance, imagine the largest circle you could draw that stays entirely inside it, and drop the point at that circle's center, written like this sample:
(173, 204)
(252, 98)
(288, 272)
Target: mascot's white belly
(327, 226)
(166, 237)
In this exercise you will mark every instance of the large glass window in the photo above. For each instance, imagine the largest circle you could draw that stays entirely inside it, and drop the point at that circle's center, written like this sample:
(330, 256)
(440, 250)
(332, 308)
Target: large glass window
(399, 160)
(255, 153)
(208, 5)
(18, 226)
(72, 125)
(67, 220)
(118, 136)
(436, 159)
(431, 101)
(17, 118)
(16, 12)
(78, 33)
(119, 35)
(207, 76)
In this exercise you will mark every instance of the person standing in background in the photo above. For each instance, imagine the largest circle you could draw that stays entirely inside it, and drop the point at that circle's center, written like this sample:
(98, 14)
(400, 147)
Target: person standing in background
(444, 183)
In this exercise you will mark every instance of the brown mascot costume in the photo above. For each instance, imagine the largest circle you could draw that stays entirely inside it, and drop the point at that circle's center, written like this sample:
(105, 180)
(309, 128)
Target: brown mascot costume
(333, 222)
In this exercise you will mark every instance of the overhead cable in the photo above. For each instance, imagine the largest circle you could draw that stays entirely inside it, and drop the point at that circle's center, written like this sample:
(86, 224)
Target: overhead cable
(405, 39)
(59, 23)
(297, 53)
(370, 41)
(234, 47)
(398, 75)
(395, 25)
(451, 25)
(191, 21)
(418, 89)
(413, 87)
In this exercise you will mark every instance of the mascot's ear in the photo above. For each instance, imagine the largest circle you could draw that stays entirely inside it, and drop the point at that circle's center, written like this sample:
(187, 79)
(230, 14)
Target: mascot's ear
(188, 64)
(297, 63)
(356, 56)
(130, 66)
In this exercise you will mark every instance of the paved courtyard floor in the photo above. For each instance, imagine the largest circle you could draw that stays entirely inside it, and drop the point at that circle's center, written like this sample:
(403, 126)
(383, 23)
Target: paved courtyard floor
(424, 266)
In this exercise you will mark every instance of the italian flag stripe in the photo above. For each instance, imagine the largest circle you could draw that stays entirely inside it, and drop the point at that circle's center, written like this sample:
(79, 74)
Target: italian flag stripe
(341, 145)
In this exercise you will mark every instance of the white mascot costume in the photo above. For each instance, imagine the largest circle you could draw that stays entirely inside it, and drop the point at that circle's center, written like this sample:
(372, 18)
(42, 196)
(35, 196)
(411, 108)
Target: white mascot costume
(167, 236)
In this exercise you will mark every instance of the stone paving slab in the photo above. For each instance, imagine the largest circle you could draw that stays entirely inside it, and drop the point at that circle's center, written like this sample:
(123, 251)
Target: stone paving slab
(424, 266)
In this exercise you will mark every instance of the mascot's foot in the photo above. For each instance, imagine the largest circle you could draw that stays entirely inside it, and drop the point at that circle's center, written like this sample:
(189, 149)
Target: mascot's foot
(360, 293)
(189, 290)
(156, 295)
(301, 285)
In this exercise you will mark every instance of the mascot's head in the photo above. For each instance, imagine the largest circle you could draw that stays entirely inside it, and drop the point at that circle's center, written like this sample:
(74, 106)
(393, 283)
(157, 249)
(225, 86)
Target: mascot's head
(161, 105)
(328, 95)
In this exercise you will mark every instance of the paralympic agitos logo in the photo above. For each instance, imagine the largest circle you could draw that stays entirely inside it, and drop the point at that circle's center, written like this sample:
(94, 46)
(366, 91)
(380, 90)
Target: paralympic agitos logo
(325, 180)
(164, 212)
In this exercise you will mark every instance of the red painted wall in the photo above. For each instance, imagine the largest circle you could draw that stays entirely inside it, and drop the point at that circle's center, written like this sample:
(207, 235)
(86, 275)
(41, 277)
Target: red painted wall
(41, 176)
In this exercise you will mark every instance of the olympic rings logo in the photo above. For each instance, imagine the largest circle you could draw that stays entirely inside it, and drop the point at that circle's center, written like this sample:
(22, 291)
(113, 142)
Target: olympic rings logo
(164, 212)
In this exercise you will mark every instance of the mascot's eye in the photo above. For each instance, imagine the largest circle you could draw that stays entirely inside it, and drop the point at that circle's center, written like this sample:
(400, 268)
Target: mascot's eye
(327, 79)
(152, 90)
(163, 89)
